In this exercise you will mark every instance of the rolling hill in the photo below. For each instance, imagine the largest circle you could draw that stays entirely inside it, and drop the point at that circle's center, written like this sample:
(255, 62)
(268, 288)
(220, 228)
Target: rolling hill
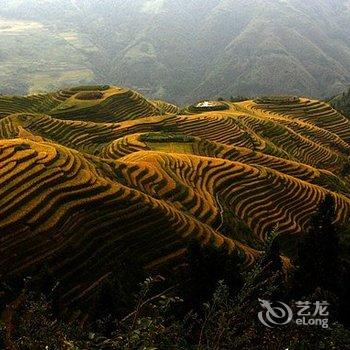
(177, 50)
(91, 174)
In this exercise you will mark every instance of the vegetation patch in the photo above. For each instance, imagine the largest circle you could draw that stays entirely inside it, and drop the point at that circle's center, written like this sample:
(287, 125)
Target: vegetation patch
(277, 100)
(163, 137)
(90, 88)
(89, 95)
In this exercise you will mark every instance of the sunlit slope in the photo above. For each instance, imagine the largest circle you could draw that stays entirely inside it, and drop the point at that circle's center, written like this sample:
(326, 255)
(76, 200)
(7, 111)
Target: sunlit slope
(105, 105)
(170, 143)
(81, 187)
(71, 211)
(166, 107)
(30, 104)
(319, 141)
(94, 103)
(315, 112)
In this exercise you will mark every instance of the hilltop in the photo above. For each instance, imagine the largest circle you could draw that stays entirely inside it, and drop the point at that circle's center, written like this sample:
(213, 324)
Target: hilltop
(177, 50)
(91, 174)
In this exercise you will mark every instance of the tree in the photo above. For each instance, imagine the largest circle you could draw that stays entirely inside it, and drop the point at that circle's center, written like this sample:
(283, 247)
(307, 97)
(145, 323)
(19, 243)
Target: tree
(317, 263)
(206, 266)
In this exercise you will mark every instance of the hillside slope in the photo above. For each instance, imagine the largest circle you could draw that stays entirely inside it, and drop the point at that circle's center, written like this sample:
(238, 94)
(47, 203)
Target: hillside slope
(342, 103)
(178, 50)
(80, 189)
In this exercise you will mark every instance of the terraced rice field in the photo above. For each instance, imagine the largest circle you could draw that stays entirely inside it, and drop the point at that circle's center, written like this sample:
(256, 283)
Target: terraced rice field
(109, 104)
(83, 181)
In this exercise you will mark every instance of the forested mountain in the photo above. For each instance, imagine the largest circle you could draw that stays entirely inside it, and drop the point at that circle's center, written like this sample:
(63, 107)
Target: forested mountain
(178, 50)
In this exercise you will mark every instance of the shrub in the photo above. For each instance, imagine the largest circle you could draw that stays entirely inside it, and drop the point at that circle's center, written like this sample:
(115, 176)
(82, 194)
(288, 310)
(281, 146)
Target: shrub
(277, 99)
(206, 266)
(225, 321)
(89, 95)
(239, 98)
(90, 88)
(318, 263)
(165, 137)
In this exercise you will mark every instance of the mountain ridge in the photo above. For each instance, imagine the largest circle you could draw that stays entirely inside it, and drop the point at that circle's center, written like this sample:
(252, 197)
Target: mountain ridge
(186, 49)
